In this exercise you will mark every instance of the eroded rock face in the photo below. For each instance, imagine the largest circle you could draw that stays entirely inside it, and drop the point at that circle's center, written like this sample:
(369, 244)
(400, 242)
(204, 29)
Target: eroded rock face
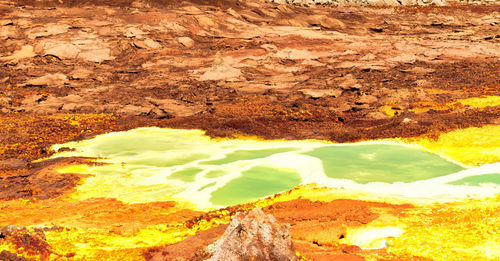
(9, 256)
(256, 236)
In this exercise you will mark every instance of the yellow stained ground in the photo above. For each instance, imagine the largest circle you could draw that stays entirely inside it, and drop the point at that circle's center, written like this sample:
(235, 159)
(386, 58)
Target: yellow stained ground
(97, 230)
(475, 102)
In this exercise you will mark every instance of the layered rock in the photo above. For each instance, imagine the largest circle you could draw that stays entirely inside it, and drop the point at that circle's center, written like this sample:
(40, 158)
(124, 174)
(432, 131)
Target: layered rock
(256, 236)
(364, 2)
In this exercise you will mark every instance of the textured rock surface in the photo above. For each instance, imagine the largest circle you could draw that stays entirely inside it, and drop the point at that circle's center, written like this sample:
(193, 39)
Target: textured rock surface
(256, 236)
(370, 2)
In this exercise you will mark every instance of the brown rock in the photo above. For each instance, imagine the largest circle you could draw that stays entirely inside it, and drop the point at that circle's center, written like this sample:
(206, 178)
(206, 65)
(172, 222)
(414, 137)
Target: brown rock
(346, 82)
(4, 102)
(147, 44)
(49, 79)
(135, 110)
(318, 93)
(404, 58)
(9, 256)
(206, 22)
(62, 50)
(293, 22)
(80, 74)
(174, 108)
(26, 51)
(186, 41)
(376, 115)
(233, 13)
(13, 164)
(420, 70)
(97, 55)
(326, 22)
(7, 32)
(134, 32)
(256, 236)
(368, 57)
(4, 22)
(220, 70)
(367, 99)
(382, 2)
(295, 54)
(50, 29)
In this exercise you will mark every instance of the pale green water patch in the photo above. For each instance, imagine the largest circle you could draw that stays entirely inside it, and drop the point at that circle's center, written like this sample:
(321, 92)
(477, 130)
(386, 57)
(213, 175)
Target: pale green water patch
(150, 164)
(167, 159)
(207, 186)
(115, 146)
(255, 183)
(479, 179)
(215, 174)
(382, 163)
(246, 155)
(186, 175)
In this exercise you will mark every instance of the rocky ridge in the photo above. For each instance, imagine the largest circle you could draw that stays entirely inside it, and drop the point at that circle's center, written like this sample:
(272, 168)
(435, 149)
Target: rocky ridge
(255, 236)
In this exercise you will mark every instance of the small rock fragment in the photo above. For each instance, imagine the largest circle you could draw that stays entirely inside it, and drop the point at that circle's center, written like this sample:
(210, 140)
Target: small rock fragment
(96, 55)
(151, 44)
(325, 21)
(135, 110)
(26, 51)
(147, 44)
(404, 58)
(233, 13)
(61, 50)
(79, 74)
(206, 22)
(368, 57)
(376, 115)
(366, 99)
(134, 32)
(5, 22)
(382, 2)
(49, 79)
(4, 102)
(51, 29)
(7, 32)
(318, 93)
(295, 54)
(186, 41)
(347, 82)
(220, 71)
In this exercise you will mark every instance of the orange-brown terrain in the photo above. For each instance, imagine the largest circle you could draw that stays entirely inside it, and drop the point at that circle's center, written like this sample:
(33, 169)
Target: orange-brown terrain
(71, 70)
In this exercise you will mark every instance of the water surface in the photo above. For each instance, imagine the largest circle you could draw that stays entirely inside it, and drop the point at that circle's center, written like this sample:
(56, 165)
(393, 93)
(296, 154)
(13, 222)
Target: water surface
(151, 164)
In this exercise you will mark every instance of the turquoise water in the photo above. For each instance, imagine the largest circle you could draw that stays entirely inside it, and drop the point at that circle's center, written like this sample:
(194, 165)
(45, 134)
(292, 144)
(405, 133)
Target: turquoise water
(246, 155)
(255, 183)
(493, 178)
(150, 164)
(187, 175)
(382, 163)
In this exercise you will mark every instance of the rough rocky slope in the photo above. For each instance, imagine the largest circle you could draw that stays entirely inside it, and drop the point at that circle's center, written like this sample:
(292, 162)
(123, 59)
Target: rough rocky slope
(72, 69)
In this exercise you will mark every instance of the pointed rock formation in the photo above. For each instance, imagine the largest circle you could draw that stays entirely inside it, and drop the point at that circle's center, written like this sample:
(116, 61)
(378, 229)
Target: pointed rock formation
(256, 236)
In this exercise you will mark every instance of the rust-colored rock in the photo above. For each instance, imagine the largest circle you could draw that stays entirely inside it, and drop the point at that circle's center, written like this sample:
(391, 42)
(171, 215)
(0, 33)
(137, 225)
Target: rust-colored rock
(9, 256)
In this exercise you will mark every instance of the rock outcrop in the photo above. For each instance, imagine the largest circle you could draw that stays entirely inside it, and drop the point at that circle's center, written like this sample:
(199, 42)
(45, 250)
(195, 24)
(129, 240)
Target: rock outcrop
(256, 236)
(366, 2)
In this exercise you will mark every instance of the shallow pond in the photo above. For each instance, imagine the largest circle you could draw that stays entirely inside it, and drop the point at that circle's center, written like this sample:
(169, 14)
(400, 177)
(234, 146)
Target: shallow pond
(151, 164)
